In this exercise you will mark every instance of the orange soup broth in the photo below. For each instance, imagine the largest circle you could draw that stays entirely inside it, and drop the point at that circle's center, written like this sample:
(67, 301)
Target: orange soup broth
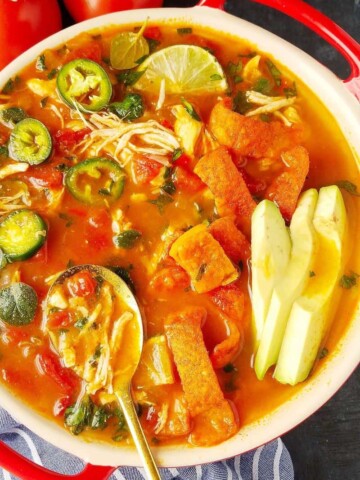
(73, 240)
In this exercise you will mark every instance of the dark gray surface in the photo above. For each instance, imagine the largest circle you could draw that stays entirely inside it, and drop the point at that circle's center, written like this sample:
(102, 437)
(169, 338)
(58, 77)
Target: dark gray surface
(327, 445)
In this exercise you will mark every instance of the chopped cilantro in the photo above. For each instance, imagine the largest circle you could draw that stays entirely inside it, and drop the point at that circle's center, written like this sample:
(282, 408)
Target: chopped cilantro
(349, 187)
(93, 360)
(153, 44)
(291, 91)
(169, 187)
(312, 274)
(176, 154)
(229, 368)
(323, 353)
(141, 59)
(349, 281)
(201, 272)
(275, 72)
(129, 77)
(80, 324)
(64, 216)
(40, 63)
(161, 201)
(265, 117)
(10, 85)
(215, 76)
(4, 151)
(262, 85)
(44, 101)
(241, 103)
(127, 239)
(52, 74)
(190, 109)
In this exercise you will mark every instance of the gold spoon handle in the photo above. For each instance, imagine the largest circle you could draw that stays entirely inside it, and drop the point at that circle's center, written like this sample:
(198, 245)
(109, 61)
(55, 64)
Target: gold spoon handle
(127, 405)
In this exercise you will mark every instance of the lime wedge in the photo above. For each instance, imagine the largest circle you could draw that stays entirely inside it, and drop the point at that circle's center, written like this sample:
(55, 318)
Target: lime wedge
(185, 69)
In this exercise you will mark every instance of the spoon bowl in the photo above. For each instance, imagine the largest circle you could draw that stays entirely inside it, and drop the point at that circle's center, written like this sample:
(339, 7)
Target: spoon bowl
(103, 340)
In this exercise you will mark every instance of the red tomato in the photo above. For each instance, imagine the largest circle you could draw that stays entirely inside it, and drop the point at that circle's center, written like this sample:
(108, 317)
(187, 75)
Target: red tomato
(64, 377)
(59, 319)
(81, 284)
(91, 51)
(84, 9)
(169, 279)
(67, 138)
(98, 230)
(24, 23)
(44, 176)
(187, 181)
(144, 169)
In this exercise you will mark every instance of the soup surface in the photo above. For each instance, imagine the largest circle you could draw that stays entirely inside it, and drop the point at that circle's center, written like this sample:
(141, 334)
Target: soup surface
(147, 149)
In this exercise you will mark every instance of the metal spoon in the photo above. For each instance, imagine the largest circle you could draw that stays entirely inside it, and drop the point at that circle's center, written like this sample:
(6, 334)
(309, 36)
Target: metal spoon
(120, 382)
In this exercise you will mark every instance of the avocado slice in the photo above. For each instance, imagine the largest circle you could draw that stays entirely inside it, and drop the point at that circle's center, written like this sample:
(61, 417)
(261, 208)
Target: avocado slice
(270, 251)
(291, 284)
(312, 313)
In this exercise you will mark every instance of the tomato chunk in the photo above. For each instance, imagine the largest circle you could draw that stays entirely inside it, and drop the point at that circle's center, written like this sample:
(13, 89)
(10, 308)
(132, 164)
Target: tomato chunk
(91, 51)
(82, 284)
(144, 169)
(59, 319)
(65, 140)
(44, 176)
(186, 180)
(154, 33)
(64, 377)
(98, 230)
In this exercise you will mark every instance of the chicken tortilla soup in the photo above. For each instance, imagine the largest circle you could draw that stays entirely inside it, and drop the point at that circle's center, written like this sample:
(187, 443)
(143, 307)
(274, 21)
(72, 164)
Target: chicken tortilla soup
(216, 185)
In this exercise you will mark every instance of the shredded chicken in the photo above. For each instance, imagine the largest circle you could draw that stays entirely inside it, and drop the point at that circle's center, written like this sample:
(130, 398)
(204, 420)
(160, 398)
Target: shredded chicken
(269, 105)
(113, 135)
(162, 93)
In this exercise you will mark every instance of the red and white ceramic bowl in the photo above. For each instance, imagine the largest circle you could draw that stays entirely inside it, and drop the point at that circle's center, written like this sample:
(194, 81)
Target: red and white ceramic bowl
(341, 99)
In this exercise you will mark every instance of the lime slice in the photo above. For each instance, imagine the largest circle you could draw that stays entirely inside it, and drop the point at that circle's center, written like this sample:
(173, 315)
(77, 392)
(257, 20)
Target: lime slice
(185, 69)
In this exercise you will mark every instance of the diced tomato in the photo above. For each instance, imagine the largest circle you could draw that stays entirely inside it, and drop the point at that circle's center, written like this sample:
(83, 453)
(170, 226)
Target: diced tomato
(65, 140)
(169, 279)
(64, 377)
(255, 186)
(186, 180)
(92, 51)
(44, 176)
(15, 335)
(98, 230)
(165, 123)
(154, 33)
(183, 161)
(59, 319)
(145, 169)
(82, 284)
(61, 405)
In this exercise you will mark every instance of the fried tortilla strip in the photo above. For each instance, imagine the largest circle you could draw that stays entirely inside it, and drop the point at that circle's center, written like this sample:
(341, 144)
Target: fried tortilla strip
(232, 240)
(249, 136)
(230, 300)
(286, 188)
(226, 351)
(198, 379)
(232, 197)
(214, 426)
(203, 258)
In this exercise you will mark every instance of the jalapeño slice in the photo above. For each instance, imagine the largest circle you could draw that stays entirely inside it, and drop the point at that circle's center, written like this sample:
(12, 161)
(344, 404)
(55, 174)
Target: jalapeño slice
(84, 84)
(30, 142)
(96, 181)
(22, 234)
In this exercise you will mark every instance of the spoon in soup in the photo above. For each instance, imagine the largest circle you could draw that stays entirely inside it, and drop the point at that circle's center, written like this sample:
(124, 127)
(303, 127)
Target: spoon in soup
(102, 341)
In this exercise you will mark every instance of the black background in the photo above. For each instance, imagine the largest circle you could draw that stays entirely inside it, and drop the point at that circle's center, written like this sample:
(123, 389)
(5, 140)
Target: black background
(327, 445)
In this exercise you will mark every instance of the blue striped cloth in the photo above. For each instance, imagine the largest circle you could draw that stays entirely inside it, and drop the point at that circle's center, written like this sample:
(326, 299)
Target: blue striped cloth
(269, 462)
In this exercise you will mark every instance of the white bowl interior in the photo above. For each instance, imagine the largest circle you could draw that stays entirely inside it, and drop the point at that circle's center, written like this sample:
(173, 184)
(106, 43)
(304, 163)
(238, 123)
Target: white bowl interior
(339, 366)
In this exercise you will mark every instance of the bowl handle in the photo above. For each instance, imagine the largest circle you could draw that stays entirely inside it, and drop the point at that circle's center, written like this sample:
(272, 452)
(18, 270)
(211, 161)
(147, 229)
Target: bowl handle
(28, 470)
(320, 24)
